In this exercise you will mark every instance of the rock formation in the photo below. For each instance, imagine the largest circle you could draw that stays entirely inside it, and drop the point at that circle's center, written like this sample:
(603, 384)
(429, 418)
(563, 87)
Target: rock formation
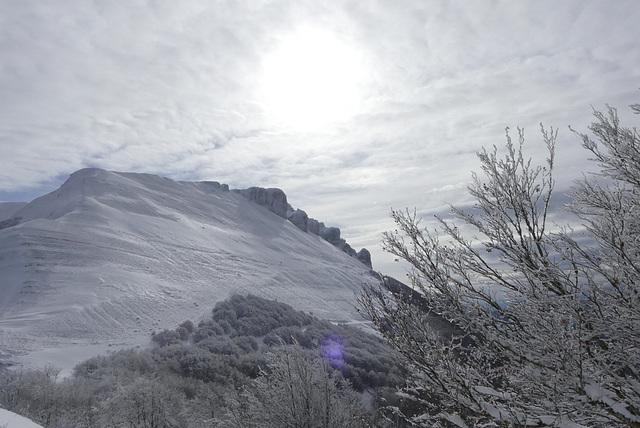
(275, 200)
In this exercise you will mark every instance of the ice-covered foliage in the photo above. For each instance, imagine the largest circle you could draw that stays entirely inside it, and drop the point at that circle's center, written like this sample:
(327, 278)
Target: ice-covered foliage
(549, 317)
(190, 376)
(298, 391)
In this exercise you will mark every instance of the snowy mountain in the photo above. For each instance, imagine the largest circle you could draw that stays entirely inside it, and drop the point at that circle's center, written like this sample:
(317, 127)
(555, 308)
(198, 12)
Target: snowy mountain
(110, 257)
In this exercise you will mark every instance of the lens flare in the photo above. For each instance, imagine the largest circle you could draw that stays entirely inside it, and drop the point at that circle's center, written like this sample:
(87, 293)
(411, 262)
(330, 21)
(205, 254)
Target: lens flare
(334, 351)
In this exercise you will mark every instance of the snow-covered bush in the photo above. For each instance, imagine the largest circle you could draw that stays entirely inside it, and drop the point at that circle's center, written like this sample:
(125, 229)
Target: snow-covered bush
(298, 391)
(145, 403)
(549, 317)
(36, 390)
(252, 316)
(167, 337)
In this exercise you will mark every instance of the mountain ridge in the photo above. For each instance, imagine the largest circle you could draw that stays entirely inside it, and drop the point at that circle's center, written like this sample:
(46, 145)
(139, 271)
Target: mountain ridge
(274, 199)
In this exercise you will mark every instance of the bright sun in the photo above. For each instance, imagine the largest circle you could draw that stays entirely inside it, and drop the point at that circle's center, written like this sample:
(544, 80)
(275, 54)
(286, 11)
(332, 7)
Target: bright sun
(311, 80)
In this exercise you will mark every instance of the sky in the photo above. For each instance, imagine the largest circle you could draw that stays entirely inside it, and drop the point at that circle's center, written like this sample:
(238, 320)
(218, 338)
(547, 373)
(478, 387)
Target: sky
(351, 107)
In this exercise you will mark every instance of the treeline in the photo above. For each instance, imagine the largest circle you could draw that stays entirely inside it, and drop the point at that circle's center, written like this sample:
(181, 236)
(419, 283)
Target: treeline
(254, 363)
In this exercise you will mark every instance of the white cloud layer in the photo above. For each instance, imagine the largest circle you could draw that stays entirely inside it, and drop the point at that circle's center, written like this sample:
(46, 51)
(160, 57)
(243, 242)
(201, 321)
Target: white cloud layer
(174, 88)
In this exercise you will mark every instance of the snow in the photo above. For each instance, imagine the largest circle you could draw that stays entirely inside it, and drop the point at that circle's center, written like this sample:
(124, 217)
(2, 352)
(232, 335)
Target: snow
(490, 391)
(8, 209)
(563, 422)
(599, 393)
(110, 257)
(456, 420)
(11, 420)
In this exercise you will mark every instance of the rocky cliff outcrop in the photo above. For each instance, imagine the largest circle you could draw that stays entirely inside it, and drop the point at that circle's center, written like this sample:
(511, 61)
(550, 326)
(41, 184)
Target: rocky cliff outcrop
(217, 186)
(365, 257)
(301, 220)
(275, 200)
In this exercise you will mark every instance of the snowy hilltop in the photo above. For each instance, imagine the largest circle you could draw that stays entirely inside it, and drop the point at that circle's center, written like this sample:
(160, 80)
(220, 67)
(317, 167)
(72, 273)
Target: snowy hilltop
(110, 257)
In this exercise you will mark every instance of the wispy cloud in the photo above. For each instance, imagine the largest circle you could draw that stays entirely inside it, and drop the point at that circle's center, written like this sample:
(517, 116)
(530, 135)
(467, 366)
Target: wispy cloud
(174, 88)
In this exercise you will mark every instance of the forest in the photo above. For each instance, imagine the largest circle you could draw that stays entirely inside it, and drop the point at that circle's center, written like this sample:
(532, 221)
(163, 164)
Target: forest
(235, 369)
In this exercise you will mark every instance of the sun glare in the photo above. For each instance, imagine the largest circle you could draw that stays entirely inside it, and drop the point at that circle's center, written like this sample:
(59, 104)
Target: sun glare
(312, 79)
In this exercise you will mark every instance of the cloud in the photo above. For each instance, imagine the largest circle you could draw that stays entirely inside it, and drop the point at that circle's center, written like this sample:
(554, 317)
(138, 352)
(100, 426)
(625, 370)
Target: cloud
(174, 88)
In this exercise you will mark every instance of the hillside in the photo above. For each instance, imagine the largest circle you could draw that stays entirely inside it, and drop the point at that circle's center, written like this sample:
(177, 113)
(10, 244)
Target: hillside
(110, 257)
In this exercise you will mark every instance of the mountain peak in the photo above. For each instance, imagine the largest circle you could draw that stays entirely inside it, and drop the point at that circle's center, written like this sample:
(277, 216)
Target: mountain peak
(89, 185)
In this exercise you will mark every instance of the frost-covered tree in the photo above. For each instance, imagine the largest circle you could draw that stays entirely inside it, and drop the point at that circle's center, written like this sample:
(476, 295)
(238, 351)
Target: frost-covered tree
(547, 326)
(143, 404)
(299, 391)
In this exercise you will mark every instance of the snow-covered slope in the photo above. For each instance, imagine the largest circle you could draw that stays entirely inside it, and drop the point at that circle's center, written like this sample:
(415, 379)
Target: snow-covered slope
(11, 420)
(110, 257)
(8, 209)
